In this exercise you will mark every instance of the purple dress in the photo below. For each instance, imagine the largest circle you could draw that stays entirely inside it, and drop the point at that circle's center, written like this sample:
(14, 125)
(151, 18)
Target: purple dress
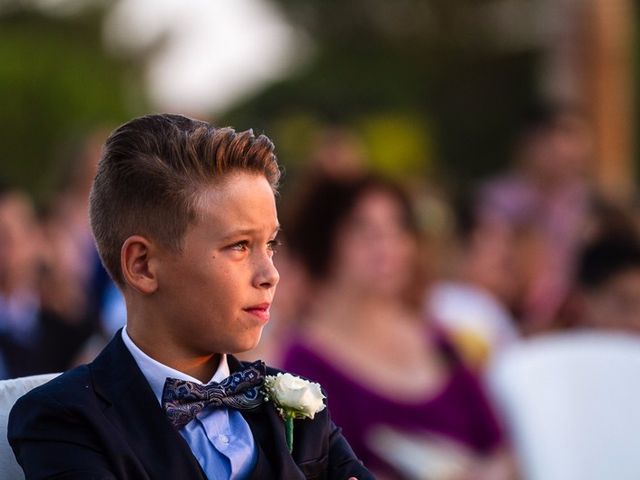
(460, 411)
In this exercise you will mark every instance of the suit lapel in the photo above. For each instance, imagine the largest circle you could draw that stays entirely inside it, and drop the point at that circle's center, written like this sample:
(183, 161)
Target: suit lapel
(133, 409)
(274, 460)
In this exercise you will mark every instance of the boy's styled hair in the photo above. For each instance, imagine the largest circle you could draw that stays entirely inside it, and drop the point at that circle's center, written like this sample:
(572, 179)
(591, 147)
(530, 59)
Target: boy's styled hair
(152, 172)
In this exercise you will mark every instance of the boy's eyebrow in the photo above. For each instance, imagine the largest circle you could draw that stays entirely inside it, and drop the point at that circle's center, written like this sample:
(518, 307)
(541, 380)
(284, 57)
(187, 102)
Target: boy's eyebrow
(248, 231)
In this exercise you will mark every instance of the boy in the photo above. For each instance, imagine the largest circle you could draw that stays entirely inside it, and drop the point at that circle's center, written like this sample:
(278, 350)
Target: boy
(185, 222)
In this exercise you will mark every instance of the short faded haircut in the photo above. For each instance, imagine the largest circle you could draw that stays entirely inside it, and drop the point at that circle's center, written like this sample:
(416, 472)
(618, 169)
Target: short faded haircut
(152, 172)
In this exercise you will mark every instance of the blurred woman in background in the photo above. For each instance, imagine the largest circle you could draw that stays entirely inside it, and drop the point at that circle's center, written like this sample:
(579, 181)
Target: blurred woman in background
(408, 406)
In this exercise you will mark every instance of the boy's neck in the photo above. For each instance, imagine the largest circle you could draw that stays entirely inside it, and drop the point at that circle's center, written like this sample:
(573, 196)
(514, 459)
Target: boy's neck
(201, 367)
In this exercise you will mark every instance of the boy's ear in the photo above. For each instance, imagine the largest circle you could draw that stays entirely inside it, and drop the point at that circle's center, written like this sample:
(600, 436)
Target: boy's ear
(138, 267)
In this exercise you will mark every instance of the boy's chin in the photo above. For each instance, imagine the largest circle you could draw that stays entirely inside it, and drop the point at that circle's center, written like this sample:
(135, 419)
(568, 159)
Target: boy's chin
(247, 346)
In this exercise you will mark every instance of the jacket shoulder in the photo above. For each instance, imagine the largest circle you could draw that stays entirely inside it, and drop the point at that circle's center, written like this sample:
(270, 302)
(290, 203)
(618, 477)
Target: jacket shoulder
(61, 393)
(68, 384)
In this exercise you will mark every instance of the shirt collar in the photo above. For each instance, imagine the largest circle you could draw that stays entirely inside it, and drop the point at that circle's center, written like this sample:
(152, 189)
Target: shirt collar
(156, 373)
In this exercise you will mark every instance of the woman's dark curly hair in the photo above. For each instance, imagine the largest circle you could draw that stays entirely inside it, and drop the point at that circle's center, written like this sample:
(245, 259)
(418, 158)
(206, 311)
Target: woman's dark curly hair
(312, 226)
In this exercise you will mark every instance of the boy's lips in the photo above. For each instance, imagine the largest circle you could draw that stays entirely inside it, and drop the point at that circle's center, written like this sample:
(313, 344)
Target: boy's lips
(260, 311)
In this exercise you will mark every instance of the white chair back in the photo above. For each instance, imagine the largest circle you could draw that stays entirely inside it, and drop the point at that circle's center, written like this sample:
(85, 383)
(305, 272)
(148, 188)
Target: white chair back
(572, 405)
(10, 391)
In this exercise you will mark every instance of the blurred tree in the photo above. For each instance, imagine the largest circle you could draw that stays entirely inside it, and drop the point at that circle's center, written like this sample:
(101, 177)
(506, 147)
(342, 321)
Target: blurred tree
(450, 65)
(56, 85)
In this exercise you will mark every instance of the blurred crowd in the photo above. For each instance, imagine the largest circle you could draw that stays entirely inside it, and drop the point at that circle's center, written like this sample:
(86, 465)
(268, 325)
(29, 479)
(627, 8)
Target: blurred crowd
(425, 334)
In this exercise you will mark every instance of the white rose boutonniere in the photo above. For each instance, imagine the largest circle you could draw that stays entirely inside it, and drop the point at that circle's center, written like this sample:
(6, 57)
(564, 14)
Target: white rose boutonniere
(294, 398)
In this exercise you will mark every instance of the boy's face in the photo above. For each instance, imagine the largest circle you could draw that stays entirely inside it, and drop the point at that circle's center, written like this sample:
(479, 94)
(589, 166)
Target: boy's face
(215, 295)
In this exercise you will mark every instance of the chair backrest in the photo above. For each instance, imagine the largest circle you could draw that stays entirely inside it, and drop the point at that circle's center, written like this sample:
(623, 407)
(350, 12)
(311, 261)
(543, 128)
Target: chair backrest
(571, 403)
(10, 391)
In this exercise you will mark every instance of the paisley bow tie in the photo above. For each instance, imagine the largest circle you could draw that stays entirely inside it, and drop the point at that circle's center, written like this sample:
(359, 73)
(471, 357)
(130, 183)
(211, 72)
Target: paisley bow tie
(183, 400)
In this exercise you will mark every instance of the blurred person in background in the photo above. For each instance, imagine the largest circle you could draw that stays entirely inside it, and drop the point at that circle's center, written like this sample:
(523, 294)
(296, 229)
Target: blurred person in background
(546, 195)
(607, 291)
(20, 244)
(407, 404)
(58, 264)
(98, 304)
(69, 313)
(44, 315)
(471, 305)
(568, 397)
(69, 214)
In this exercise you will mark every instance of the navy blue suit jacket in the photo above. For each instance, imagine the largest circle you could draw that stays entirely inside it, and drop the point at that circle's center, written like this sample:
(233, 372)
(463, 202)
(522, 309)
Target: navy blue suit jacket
(102, 421)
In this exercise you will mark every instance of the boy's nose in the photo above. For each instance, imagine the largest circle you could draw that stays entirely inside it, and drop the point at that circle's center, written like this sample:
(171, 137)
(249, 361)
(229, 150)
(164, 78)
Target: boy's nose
(267, 275)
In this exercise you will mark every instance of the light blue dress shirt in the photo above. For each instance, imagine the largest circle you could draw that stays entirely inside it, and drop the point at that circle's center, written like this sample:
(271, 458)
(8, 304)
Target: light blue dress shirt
(220, 438)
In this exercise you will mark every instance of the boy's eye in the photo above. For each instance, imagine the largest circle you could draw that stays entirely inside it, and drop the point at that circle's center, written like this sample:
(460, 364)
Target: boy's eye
(240, 246)
(273, 245)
